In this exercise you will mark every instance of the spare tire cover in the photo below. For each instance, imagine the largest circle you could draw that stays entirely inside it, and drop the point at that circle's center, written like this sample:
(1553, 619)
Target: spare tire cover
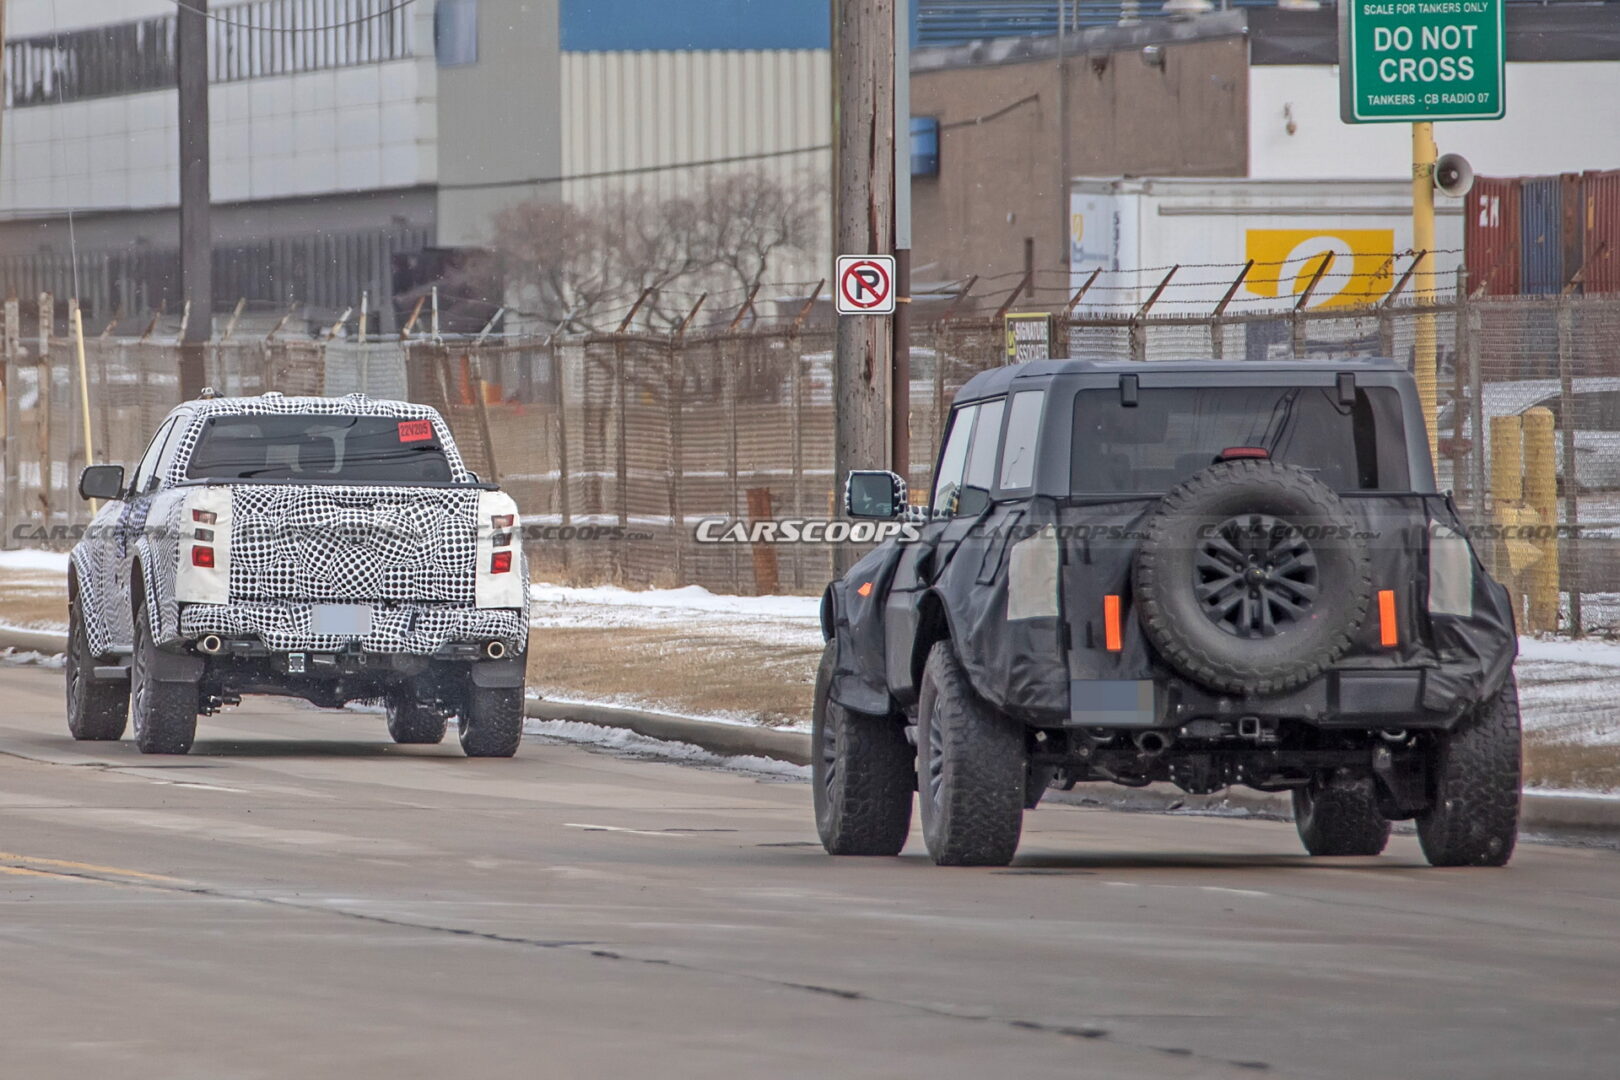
(1251, 579)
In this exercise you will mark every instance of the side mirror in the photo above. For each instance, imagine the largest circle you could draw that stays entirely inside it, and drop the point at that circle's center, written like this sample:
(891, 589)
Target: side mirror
(102, 482)
(874, 493)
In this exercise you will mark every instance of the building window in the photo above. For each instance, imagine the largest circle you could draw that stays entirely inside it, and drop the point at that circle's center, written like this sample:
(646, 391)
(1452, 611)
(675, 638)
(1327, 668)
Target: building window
(245, 41)
(455, 32)
(925, 146)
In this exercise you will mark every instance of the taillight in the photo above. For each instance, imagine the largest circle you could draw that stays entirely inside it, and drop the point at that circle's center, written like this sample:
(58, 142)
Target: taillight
(204, 517)
(1113, 634)
(503, 539)
(500, 562)
(502, 521)
(202, 556)
(1388, 630)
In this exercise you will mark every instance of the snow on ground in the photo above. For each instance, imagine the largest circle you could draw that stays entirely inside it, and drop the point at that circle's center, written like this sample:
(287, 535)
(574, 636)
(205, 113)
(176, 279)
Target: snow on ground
(1568, 689)
(29, 560)
(628, 743)
(787, 620)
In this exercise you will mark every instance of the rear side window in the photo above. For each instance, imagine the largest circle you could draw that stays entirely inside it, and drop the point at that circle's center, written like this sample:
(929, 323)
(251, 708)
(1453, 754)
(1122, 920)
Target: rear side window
(981, 465)
(1174, 432)
(299, 447)
(1023, 432)
(953, 460)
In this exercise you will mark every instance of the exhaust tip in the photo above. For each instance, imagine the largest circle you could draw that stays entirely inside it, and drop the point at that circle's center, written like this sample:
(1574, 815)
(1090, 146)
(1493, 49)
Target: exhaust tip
(210, 643)
(495, 650)
(1152, 742)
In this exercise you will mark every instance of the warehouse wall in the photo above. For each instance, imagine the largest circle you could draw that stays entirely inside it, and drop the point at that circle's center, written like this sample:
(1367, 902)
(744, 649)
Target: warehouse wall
(1001, 179)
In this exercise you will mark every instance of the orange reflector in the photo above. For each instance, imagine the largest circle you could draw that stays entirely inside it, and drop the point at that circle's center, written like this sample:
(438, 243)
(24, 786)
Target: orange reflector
(1388, 632)
(865, 589)
(1113, 638)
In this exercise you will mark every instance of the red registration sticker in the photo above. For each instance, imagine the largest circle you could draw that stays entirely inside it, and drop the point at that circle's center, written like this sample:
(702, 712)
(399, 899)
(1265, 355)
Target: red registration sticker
(415, 430)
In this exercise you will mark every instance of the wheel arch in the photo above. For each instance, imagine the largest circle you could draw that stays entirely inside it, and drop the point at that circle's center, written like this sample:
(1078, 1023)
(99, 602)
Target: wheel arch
(933, 626)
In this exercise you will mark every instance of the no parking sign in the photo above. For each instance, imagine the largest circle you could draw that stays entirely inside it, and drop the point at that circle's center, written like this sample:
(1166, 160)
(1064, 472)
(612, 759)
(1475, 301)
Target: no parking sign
(865, 285)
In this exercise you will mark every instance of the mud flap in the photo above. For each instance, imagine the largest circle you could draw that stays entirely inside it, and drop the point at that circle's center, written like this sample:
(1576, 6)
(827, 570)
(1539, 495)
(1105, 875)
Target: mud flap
(506, 673)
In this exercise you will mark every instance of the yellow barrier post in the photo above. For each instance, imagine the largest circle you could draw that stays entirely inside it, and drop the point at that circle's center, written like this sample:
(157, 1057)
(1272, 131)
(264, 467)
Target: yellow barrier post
(1541, 493)
(1507, 493)
(84, 394)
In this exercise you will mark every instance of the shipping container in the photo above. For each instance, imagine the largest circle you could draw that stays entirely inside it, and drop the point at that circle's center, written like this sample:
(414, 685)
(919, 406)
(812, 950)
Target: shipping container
(1601, 196)
(1491, 231)
(1541, 220)
(1135, 230)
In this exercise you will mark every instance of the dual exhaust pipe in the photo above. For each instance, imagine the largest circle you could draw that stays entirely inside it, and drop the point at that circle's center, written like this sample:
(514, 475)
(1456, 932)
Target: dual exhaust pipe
(213, 645)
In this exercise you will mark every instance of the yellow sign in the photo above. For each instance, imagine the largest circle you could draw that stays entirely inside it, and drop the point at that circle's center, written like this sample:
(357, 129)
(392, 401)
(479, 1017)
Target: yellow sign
(1361, 271)
(1029, 336)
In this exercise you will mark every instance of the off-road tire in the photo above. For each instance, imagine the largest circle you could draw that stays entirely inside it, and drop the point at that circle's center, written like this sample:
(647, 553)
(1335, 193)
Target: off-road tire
(164, 714)
(491, 721)
(971, 768)
(1164, 579)
(1338, 815)
(862, 774)
(411, 722)
(97, 711)
(1474, 817)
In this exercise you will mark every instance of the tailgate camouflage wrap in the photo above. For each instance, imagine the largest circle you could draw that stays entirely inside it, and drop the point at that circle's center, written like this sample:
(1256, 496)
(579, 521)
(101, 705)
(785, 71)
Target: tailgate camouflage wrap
(353, 543)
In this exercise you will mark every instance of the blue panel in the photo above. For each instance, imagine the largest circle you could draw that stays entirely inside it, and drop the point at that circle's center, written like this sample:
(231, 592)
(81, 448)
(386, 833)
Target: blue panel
(1541, 224)
(626, 25)
(925, 146)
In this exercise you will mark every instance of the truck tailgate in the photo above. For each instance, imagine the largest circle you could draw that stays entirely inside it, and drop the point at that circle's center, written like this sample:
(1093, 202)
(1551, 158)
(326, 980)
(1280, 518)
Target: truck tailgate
(328, 543)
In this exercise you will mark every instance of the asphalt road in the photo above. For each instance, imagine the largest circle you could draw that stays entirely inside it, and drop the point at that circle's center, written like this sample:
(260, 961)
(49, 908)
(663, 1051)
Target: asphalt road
(299, 898)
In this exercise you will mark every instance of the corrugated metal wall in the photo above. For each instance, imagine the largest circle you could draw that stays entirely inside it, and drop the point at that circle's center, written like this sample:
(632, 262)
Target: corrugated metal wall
(1491, 230)
(634, 114)
(1541, 235)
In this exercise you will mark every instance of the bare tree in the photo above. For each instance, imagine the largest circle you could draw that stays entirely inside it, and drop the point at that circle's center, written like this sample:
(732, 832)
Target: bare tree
(752, 216)
(557, 259)
(577, 268)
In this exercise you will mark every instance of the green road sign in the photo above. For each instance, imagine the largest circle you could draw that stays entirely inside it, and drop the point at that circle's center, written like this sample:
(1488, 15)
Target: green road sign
(1412, 60)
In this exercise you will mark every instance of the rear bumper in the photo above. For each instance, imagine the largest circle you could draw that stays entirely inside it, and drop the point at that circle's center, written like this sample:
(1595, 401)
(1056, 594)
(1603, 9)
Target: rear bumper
(1355, 699)
(396, 629)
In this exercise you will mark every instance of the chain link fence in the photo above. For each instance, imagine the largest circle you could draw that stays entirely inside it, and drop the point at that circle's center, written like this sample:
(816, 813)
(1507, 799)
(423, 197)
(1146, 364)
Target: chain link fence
(619, 446)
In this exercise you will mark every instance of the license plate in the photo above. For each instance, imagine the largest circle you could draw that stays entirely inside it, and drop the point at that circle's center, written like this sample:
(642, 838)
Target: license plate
(340, 620)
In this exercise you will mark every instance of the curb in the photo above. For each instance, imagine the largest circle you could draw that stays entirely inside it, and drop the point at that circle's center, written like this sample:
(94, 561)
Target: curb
(1570, 817)
(728, 740)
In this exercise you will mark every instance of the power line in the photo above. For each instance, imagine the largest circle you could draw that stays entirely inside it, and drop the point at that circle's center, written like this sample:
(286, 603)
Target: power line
(401, 5)
(535, 181)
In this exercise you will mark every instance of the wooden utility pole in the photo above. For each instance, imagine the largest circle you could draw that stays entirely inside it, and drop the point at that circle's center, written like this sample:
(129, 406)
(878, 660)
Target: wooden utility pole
(863, 224)
(196, 232)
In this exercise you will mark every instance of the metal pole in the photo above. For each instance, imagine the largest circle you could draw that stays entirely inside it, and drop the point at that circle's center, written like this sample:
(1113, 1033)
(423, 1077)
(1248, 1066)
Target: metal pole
(1423, 365)
(196, 231)
(863, 33)
(900, 389)
(84, 393)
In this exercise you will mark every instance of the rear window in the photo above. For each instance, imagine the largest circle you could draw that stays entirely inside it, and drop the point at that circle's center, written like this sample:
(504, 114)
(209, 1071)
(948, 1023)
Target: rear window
(1174, 432)
(359, 449)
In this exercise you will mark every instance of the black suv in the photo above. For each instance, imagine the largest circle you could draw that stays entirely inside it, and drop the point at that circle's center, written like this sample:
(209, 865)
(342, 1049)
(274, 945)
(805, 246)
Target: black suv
(1204, 573)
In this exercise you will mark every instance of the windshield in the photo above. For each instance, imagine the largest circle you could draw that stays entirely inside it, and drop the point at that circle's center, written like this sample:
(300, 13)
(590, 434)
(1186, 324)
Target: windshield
(361, 449)
(1174, 432)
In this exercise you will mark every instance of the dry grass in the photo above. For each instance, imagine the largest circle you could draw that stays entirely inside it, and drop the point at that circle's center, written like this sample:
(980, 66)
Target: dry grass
(684, 672)
(33, 599)
(1549, 763)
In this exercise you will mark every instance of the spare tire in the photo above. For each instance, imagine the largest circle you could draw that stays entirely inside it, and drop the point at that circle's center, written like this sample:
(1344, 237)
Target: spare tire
(1251, 579)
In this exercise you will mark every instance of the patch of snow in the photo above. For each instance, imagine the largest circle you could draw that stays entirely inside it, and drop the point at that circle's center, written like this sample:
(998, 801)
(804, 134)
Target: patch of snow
(690, 598)
(1573, 793)
(1596, 653)
(793, 621)
(628, 743)
(626, 701)
(55, 562)
(30, 658)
